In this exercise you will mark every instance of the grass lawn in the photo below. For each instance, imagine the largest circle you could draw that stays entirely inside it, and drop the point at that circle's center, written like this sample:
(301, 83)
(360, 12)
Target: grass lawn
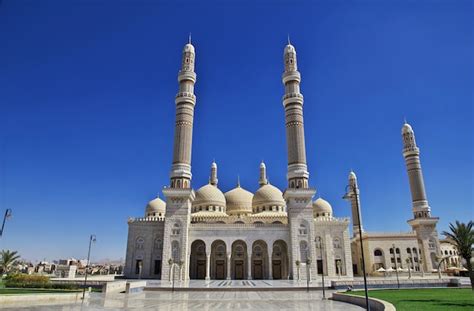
(432, 299)
(16, 291)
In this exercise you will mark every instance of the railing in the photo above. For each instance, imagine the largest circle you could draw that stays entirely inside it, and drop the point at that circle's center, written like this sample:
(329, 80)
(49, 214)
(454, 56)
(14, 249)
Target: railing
(146, 219)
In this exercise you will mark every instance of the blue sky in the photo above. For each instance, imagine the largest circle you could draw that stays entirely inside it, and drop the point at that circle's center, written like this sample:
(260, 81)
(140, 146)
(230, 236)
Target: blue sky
(87, 108)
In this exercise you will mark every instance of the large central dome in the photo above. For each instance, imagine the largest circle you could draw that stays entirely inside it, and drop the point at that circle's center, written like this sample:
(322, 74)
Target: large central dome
(209, 198)
(239, 201)
(268, 198)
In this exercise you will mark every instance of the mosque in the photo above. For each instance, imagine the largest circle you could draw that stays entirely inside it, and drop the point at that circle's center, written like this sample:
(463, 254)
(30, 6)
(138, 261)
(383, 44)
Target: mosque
(270, 234)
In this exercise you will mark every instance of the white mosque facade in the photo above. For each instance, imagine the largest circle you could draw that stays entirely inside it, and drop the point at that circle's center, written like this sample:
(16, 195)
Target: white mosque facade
(270, 234)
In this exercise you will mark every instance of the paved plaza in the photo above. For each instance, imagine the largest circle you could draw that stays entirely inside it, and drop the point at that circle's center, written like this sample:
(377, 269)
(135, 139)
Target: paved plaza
(239, 300)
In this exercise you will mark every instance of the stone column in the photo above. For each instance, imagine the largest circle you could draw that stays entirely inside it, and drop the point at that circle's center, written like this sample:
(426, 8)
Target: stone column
(270, 273)
(228, 265)
(249, 264)
(208, 266)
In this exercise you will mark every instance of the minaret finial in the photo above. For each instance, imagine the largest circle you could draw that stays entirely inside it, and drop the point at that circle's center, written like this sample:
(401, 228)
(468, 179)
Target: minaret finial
(405, 120)
(189, 40)
(289, 42)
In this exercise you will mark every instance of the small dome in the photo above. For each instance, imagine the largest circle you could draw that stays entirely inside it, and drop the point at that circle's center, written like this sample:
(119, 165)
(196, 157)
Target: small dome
(239, 201)
(321, 207)
(407, 128)
(289, 49)
(155, 208)
(268, 195)
(209, 195)
(188, 48)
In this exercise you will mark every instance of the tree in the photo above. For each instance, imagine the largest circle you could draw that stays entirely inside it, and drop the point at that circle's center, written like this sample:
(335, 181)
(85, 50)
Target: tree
(462, 235)
(7, 259)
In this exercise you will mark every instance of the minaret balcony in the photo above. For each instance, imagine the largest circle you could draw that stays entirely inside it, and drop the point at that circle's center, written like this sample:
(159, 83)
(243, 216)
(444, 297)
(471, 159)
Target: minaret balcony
(291, 76)
(187, 75)
(292, 98)
(185, 97)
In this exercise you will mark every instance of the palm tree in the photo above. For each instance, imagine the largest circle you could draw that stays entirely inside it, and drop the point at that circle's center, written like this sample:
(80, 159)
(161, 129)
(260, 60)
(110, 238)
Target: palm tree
(463, 236)
(7, 258)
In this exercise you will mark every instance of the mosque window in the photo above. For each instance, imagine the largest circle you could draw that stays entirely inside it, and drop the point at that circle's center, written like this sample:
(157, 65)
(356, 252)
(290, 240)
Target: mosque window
(158, 244)
(414, 251)
(303, 251)
(391, 250)
(397, 250)
(431, 244)
(175, 251)
(377, 252)
(303, 229)
(139, 243)
(408, 250)
(176, 229)
(337, 243)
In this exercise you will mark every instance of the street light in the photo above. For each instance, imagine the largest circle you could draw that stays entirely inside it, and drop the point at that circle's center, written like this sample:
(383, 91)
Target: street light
(396, 266)
(92, 239)
(352, 192)
(8, 214)
(320, 246)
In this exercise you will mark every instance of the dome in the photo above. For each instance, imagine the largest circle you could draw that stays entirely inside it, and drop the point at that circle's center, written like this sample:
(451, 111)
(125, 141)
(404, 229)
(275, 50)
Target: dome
(268, 195)
(239, 201)
(209, 195)
(407, 128)
(289, 49)
(188, 48)
(155, 208)
(321, 207)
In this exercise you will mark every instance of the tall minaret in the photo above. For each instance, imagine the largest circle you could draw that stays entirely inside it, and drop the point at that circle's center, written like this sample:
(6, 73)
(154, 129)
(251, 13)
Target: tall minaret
(355, 201)
(422, 223)
(263, 175)
(293, 102)
(415, 175)
(213, 179)
(185, 101)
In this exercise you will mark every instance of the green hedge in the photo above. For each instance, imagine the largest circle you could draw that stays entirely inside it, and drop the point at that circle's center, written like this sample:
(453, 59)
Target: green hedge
(34, 281)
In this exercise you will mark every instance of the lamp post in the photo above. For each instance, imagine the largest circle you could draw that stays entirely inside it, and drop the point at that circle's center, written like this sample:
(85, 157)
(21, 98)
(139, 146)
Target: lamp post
(92, 239)
(8, 214)
(352, 192)
(320, 246)
(396, 266)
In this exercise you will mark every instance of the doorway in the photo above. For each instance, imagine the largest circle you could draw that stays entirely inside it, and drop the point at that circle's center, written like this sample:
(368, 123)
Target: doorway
(239, 270)
(276, 268)
(258, 270)
(220, 269)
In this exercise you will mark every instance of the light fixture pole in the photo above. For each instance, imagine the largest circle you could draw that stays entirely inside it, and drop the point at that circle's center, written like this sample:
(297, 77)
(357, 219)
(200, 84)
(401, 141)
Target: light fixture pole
(8, 214)
(92, 239)
(320, 244)
(352, 192)
(396, 265)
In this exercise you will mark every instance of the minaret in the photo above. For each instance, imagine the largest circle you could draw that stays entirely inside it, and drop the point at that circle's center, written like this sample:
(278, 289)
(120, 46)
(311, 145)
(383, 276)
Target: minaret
(355, 201)
(185, 101)
(213, 180)
(415, 175)
(293, 102)
(263, 175)
(422, 223)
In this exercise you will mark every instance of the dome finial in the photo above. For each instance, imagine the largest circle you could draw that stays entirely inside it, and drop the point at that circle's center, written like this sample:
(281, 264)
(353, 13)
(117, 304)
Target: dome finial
(189, 39)
(213, 179)
(289, 42)
(238, 181)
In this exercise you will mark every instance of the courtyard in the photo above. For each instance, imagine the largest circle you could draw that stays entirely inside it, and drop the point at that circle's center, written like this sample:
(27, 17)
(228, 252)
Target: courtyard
(200, 300)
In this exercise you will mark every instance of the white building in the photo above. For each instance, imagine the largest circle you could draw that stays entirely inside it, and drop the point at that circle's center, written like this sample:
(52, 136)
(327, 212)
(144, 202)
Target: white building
(269, 234)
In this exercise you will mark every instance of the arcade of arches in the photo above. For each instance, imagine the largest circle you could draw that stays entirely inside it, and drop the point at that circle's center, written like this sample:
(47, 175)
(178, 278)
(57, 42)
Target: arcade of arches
(257, 261)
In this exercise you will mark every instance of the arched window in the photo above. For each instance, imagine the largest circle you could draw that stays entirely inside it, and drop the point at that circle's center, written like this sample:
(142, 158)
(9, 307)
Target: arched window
(176, 229)
(397, 250)
(414, 251)
(175, 252)
(337, 243)
(391, 250)
(139, 243)
(303, 251)
(431, 244)
(377, 252)
(408, 250)
(303, 230)
(158, 244)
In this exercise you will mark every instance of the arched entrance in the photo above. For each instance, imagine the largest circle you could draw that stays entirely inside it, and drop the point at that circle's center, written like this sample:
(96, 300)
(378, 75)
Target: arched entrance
(280, 260)
(218, 260)
(239, 260)
(197, 263)
(259, 260)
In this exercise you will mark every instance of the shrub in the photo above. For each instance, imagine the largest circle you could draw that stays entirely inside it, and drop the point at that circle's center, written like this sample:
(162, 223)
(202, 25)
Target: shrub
(27, 281)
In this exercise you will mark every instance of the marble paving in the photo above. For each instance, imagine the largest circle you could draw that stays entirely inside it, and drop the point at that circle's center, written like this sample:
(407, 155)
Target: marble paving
(207, 301)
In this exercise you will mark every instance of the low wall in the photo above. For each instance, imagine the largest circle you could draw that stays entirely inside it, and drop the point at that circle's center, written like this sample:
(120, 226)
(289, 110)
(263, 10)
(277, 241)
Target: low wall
(375, 304)
(391, 283)
(135, 286)
(114, 287)
(41, 298)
